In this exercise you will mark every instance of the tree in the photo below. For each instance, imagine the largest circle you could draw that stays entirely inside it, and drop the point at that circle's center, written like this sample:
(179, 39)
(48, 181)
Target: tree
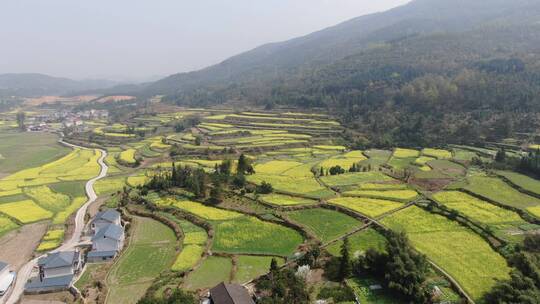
(345, 268)
(21, 116)
(225, 167)
(216, 193)
(336, 170)
(264, 188)
(243, 164)
(177, 297)
(500, 156)
(239, 181)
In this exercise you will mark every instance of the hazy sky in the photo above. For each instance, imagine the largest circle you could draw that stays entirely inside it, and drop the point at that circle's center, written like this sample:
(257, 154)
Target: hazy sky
(144, 38)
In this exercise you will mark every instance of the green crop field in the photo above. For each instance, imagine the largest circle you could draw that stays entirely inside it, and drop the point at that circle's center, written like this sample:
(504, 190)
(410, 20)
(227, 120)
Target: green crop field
(6, 225)
(367, 206)
(325, 224)
(250, 267)
(422, 160)
(307, 186)
(285, 200)
(503, 222)
(48, 199)
(348, 179)
(62, 216)
(464, 155)
(401, 163)
(212, 271)
(234, 231)
(401, 195)
(26, 150)
(237, 236)
(523, 181)
(499, 191)
(194, 241)
(73, 189)
(459, 251)
(109, 185)
(360, 242)
(382, 186)
(151, 250)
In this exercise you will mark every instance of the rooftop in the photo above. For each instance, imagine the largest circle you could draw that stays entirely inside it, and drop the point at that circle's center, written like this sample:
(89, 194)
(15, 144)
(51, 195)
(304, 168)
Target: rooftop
(109, 215)
(58, 259)
(230, 294)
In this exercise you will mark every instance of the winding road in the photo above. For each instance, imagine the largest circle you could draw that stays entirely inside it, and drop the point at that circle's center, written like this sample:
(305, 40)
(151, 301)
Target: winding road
(24, 273)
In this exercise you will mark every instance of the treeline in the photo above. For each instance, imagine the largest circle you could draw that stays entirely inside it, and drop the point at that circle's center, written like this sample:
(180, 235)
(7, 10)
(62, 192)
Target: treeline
(204, 185)
(416, 91)
(524, 285)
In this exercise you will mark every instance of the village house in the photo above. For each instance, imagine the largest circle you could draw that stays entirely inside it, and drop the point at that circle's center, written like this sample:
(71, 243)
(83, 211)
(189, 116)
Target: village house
(108, 236)
(6, 278)
(229, 294)
(56, 272)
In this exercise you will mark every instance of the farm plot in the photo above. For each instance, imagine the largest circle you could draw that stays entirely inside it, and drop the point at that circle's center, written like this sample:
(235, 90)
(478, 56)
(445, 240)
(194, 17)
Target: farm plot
(212, 271)
(503, 221)
(499, 191)
(109, 185)
(370, 207)
(523, 181)
(48, 199)
(26, 150)
(437, 153)
(194, 243)
(285, 200)
(360, 242)
(399, 195)
(345, 161)
(25, 211)
(250, 267)
(151, 251)
(290, 177)
(459, 251)
(464, 155)
(382, 186)
(127, 157)
(349, 179)
(6, 225)
(325, 224)
(405, 153)
(235, 232)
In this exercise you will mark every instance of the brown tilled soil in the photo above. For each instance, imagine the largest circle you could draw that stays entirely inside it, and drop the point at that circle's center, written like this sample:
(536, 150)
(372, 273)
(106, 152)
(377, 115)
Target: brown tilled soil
(433, 185)
(49, 298)
(93, 209)
(18, 246)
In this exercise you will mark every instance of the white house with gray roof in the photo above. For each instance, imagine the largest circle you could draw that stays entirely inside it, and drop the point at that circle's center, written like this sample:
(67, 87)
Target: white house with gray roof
(56, 272)
(108, 238)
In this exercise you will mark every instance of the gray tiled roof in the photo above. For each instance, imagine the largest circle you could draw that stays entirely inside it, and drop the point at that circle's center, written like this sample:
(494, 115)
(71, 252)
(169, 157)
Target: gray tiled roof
(230, 294)
(58, 259)
(63, 281)
(109, 215)
(111, 231)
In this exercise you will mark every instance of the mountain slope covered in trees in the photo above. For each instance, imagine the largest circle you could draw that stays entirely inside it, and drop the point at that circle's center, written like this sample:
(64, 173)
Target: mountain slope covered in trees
(427, 72)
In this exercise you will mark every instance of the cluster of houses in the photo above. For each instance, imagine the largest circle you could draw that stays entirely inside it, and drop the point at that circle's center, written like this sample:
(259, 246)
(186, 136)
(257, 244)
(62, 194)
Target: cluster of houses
(57, 271)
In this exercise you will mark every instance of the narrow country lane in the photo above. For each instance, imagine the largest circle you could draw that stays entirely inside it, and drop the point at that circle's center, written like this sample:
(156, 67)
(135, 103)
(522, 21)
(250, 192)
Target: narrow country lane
(24, 273)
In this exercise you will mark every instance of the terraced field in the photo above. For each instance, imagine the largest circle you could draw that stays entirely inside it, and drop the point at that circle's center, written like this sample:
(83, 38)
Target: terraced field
(234, 231)
(325, 224)
(400, 195)
(504, 222)
(523, 181)
(285, 200)
(497, 190)
(459, 251)
(349, 179)
(151, 251)
(367, 206)
(360, 242)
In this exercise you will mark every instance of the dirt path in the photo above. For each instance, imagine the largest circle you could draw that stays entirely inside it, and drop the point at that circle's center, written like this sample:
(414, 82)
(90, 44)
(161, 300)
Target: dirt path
(18, 246)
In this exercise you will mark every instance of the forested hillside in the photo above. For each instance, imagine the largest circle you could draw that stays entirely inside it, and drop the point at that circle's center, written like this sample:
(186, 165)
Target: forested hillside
(424, 73)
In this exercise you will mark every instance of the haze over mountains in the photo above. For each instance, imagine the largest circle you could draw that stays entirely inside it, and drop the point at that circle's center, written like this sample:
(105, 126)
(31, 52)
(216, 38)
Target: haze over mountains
(30, 84)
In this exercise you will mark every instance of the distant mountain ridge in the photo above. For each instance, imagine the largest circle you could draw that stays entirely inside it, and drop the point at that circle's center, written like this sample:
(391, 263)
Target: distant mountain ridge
(34, 84)
(418, 18)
